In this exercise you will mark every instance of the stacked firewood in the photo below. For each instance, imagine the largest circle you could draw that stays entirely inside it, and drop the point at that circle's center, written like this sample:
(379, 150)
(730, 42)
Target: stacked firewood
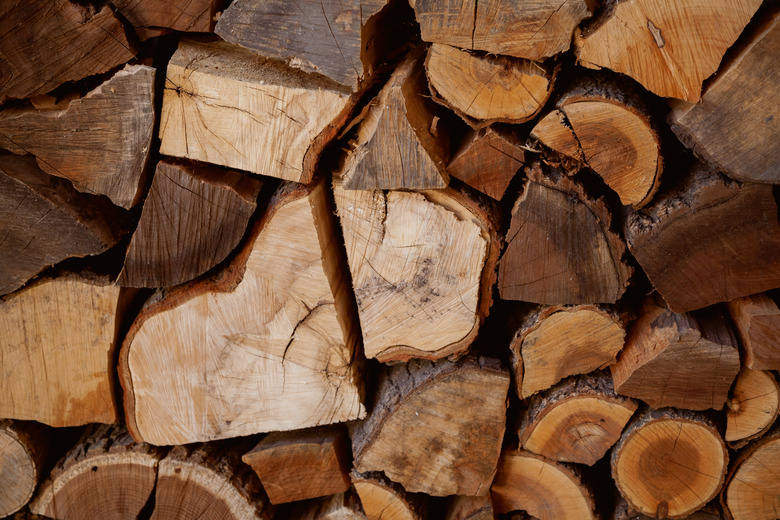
(397, 259)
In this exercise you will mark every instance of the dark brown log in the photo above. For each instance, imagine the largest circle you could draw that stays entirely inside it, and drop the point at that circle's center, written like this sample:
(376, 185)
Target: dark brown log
(24, 447)
(470, 508)
(152, 17)
(752, 490)
(757, 323)
(383, 499)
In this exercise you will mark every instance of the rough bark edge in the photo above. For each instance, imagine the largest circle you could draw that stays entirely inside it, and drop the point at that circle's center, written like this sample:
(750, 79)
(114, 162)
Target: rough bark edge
(416, 502)
(34, 438)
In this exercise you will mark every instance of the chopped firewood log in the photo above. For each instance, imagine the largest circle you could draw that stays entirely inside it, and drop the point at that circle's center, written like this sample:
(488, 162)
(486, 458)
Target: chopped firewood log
(399, 141)
(486, 89)
(226, 105)
(341, 506)
(609, 129)
(560, 245)
(576, 421)
(546, 489)
(470, 508)
(757, 322)
(386, 500)
(556, 342)
(752, 406)
(43, 220)
(49, 42)
(105, 475)
(753, 487)
(686, 241)
(58, 341)
(100, 142)
(268, 344)
(684, 360)
(423, 267)
(436, 428)
(533, 30)
(323, 37)
(302, 464)
(487, 160)
(622, 511)
(669, 47)
(669, 463)
(151, 17)
(24, 447)
(193, 217)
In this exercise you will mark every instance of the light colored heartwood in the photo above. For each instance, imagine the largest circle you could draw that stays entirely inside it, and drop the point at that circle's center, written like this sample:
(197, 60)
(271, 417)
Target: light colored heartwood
(753, 492)
(752, 406)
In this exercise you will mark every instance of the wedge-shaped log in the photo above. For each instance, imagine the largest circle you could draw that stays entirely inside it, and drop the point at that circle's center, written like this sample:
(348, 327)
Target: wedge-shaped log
(193, 217)
(753, 488)
(669, 463)
(757, 323)
(752, 406)
(533, 30)
(151, 18)
(341, 506)
(436, 428)
(100, 142)
(226, 105)
(683, 360)
(24, 447)
(104, 474)
(79, 41)
(711, 241)
(669, 47)
(382, 498)
(423, 266)
(266, 345)
(560, 246)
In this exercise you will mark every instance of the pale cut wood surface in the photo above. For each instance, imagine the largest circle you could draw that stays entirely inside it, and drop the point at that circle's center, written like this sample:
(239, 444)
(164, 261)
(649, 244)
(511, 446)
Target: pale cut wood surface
(226, 105)
(268, 345)
(100, 142)
(24, 447)
(383, 499)
(757, 323)
(341, 506)
(150, 16)
(669, 47)
(753, 488)
(752, 406)
(55, 352)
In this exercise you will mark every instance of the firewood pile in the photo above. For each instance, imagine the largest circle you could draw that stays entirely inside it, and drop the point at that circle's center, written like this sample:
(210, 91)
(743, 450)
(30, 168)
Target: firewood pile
(390, 259)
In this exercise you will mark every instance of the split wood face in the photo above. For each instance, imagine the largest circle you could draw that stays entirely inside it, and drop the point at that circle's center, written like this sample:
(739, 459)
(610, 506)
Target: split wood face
(757, 323)
(752, 406)
(150, 16)
(753, 491)
(384, 499)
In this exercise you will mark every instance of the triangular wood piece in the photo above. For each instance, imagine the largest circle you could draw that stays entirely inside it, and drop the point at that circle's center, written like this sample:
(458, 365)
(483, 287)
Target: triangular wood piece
(757, 323)
(382, 498)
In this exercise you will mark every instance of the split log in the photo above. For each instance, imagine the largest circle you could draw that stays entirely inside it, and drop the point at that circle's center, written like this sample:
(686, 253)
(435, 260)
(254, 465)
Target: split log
(485, 89)
(105, 475)
(386, 500)
(436, 428)
(683, 360)
(753, 488)
(560, 341)
(752, 406)
(685, 241)
(423, 267)
(576, 421)
(669, 463)
(208, 482)
(193, 217)
(487, 160)
(757, 322)
(608, 128)
(226, 105)
(470, 508)
(152, 18)
(302, 464)
(23, 451)
(341, 506)
(266, 345)
(323, 37)
(58, 347)
(399, 141)
(533, 30)
(79, 41)
(560, 246)
(737, 124)
(547, 490)
(669, 47)
(43, 220)
(100, 142)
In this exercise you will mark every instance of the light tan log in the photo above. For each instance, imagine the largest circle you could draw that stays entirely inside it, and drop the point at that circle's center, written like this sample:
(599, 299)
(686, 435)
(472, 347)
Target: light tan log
(470, 508)
(752, 406)
(757, 323)
(226, 105)
(24, 447)
(302, 464)
(547, 490)
(559, 341)
(669, 47)
(57, 348)
(575, 421)
(151, 18)
(100, 142)
(105, 475)
(436, 428)
(341, 506)
(208, 481)
(753, 488)
(268, 344)
(485, 89)
(533, 30)
(669, 463)
(193, 217)
(383, 499)
(422, 264)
